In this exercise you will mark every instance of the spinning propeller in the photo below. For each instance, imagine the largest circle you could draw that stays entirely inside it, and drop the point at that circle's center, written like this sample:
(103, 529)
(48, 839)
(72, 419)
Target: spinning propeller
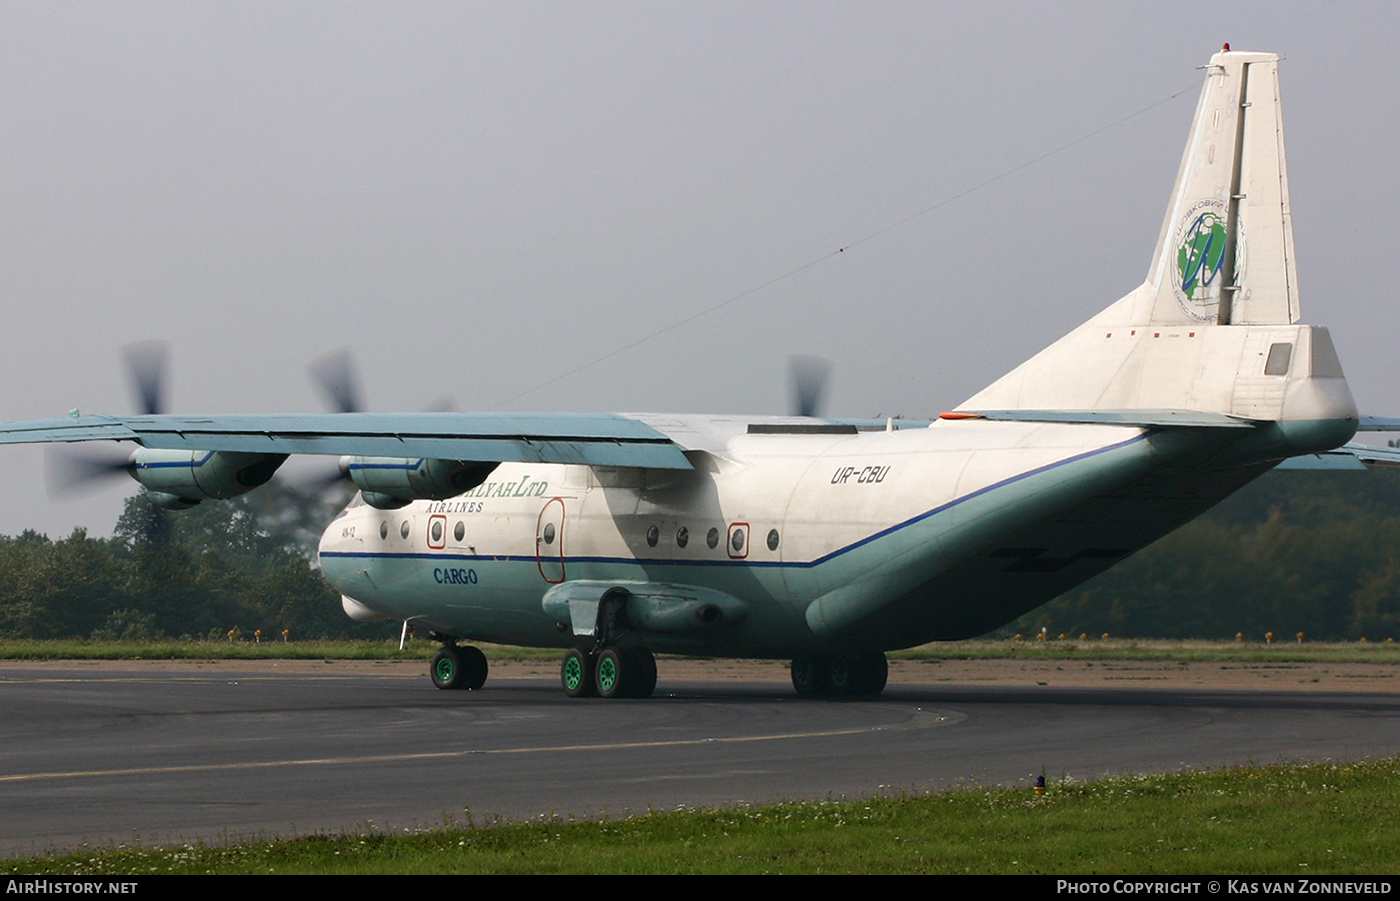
(68, 470)
(809, 377)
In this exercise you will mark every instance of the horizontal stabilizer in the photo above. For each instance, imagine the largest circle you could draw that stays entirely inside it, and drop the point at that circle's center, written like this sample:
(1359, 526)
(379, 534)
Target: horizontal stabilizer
(1145, 419)
(1349, 456)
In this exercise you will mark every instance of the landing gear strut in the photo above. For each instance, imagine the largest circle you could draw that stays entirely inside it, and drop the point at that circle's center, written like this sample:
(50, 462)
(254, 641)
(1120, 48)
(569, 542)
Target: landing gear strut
(458, 666)
(609, 673)
(861, 674)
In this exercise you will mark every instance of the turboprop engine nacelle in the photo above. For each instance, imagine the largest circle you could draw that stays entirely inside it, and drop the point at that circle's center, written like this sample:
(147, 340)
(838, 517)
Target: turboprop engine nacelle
(177, 479)
(388, 483)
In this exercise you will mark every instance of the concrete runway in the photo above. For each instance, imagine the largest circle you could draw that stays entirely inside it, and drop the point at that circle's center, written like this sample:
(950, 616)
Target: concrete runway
(184, 753)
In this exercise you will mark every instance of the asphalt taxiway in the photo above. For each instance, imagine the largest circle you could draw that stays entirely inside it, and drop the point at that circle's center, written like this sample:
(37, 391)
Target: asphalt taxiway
(98, 755)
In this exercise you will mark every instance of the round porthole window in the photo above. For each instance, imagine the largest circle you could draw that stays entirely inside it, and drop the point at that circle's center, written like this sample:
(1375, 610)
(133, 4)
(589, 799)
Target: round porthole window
(772, 539)
(682, 536)
(653, 536)
(459, 531)
(403, 529)
(736, 541)
(548, 533)
(383, 531)
(436, 530)
(712, 539)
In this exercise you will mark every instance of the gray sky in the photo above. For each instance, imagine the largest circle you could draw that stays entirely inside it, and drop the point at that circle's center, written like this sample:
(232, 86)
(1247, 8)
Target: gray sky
(480, 197)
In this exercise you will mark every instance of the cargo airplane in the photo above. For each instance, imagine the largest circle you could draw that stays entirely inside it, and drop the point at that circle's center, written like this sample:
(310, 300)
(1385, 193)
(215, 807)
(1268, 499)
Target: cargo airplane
(826, 542)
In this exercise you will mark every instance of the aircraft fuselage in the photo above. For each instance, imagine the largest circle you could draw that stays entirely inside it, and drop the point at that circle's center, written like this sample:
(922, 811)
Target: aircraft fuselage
(807, 542)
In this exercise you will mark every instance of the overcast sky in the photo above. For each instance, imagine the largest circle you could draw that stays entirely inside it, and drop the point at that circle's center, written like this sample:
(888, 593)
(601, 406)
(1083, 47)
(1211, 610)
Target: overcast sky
(479, 198)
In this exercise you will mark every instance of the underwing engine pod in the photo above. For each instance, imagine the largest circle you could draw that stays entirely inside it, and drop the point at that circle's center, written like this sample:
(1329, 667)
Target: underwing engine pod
(388, 483)
(179, 479)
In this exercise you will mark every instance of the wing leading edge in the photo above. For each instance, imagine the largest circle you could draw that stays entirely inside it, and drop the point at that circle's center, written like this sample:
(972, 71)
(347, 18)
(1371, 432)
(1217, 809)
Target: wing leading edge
(598, 439)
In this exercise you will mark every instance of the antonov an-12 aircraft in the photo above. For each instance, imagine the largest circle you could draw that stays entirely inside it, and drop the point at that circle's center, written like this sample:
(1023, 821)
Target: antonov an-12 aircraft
(827, 542)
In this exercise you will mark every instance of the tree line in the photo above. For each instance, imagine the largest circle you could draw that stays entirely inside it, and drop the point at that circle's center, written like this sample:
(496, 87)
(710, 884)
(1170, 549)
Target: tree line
(1316, 552)
(245, 564)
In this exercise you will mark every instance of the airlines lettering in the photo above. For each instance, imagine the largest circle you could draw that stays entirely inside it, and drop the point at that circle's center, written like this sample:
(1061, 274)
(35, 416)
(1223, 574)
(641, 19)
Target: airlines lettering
(456, 507)
(868, 475)
(445, 576)
(522, 487)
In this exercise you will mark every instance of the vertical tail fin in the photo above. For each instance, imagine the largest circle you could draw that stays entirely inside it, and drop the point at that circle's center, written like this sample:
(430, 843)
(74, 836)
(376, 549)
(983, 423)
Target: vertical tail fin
(1225, 253)
(1214, 327)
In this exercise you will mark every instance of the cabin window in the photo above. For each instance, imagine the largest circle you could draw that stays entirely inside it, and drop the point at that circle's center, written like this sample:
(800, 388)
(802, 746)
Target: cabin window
(459, 531)
(403, 529)
(435, 530)
(682, 536)
(772, 539)
(736, 540)
(712, 539)
(383, 531)
(1280, 355)
(653, 536)
(548, 533)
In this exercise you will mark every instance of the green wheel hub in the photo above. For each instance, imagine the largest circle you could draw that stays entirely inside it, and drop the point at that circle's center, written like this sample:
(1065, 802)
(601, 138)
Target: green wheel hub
(607, 674)
(573, 673)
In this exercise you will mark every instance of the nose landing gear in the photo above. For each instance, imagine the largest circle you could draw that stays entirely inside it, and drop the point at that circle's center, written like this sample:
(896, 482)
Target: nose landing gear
(458, 666)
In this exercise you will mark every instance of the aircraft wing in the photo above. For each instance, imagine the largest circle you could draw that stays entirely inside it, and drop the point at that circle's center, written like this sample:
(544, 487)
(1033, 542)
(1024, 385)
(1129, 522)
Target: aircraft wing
(599, 439)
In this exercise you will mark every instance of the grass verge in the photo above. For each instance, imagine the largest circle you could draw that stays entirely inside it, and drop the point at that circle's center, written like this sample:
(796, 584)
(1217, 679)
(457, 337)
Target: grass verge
(1306, 820)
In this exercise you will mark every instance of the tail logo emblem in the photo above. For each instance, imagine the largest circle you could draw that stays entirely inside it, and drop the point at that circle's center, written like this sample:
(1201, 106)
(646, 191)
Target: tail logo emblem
(1200, 253)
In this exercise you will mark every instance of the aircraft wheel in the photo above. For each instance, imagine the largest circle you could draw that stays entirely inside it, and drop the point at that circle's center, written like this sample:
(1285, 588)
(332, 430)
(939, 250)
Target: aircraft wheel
(447, 669)
(610, 674)
(576, 674)
(841, 675)
(639, 670)
(809, 675)
(456, 667)
(474, 668)
(872, 671)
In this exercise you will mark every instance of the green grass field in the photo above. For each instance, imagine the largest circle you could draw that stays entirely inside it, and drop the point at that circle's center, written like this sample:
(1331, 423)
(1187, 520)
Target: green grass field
(1315, 820)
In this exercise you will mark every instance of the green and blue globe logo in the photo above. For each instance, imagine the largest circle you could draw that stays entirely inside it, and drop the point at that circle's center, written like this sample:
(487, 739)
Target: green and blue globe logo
(1201, 252)
(1200, 256)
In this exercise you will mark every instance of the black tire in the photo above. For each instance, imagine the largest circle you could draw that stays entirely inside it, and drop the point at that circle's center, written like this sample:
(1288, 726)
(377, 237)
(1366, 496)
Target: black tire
(842, 675)
(576, 674)
(639, 668)
(474, 668)
(809, 675)
(447, 668)
(610, 674)
(872, 672)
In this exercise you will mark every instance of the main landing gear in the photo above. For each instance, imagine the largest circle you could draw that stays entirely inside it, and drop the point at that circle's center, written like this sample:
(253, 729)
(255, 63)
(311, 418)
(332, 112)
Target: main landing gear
(861, 674)
(609, 673)
(458, 666)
